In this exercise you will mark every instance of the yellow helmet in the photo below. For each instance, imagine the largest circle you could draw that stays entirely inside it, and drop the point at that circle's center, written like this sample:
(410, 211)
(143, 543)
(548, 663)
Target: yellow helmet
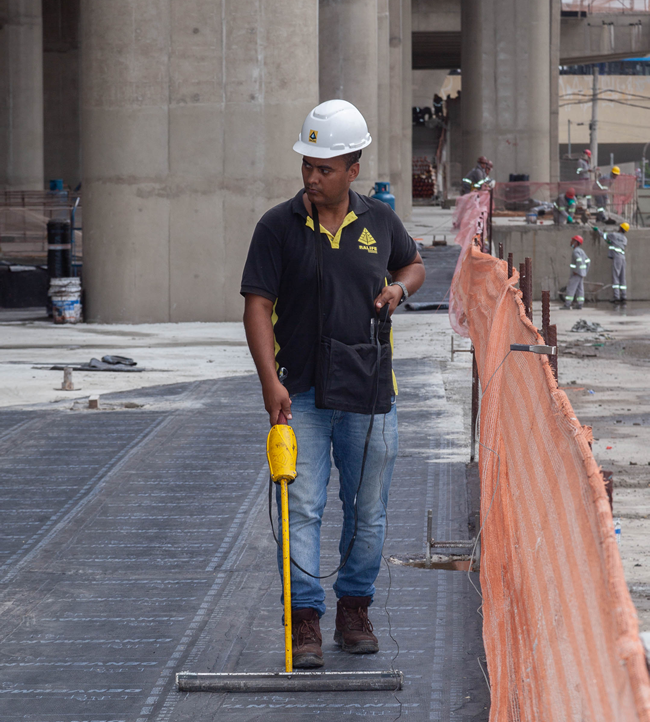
(616, 170)
(625, 227)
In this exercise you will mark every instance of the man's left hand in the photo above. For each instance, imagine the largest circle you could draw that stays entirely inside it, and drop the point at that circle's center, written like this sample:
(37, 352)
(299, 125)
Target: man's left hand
(390, 295)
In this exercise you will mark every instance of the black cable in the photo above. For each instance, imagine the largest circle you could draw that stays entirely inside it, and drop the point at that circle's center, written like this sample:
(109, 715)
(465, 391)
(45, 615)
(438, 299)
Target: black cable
(363, 467)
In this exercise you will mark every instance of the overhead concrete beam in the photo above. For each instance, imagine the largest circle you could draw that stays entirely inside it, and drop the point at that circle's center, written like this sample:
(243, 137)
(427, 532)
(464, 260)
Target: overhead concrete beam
(600, 38)
(441, 16)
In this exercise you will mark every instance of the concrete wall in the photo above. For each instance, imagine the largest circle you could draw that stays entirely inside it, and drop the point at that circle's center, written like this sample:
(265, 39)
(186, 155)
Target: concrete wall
(550, 249)
(190, 109)
(21, 95)
(61, 80)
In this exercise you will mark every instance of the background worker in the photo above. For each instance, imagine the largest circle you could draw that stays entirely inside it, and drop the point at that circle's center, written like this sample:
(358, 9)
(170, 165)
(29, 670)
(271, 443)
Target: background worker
(604, 183)
(575, 289)
(438, 106)
(564, 207)
(617, 243)
(363, 242)
(584, 173)
(475, 179)
(583, 170)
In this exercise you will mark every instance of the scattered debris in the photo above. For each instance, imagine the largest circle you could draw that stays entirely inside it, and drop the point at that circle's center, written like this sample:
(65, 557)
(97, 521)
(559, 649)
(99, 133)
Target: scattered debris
(117, 363)
(584, 326)
(427, 306)
(123, 360)
(591, 391)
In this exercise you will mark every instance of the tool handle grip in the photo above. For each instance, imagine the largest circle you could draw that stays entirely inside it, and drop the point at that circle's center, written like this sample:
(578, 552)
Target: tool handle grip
(282, 419)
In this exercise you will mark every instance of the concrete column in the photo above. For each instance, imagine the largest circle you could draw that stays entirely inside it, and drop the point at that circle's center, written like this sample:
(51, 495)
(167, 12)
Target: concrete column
(61, 79)
(554, 139)
(383, 91)
(400, 97)
(190, 109)
(21, 95)
(407, 111)
(506, 58)
(348, 66)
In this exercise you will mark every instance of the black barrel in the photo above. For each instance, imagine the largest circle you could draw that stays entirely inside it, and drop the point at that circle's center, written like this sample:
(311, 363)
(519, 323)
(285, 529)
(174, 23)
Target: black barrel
(59, 264)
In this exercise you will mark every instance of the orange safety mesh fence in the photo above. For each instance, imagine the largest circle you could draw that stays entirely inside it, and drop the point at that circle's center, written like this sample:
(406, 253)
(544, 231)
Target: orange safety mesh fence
(523, 195)
(560, 629)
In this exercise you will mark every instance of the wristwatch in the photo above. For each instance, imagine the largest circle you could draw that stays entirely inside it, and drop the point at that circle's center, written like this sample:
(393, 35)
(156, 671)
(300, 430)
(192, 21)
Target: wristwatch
(405, 293)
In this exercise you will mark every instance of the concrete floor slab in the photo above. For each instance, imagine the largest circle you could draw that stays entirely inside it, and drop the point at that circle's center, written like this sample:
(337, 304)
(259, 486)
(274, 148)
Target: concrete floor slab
(136, 544)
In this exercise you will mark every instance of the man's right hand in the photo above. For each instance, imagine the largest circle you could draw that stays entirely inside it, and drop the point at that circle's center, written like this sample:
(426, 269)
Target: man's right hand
(276, 399)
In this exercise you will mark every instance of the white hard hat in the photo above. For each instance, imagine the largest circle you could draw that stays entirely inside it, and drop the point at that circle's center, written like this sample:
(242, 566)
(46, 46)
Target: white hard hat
(333, 128)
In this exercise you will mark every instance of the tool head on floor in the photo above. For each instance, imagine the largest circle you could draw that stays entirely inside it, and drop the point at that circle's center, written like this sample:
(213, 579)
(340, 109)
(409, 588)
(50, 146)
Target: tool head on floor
(282, 454)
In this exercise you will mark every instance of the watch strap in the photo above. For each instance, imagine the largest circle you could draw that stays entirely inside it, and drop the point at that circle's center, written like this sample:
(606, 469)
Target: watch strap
(405, 293)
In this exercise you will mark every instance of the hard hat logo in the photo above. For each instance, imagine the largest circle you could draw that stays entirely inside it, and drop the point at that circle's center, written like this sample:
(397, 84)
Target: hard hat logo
(333, 128)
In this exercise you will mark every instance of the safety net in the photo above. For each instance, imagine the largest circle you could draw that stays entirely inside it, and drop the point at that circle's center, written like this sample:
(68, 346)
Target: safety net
(614, 194)
(560, 629)
(24, 216)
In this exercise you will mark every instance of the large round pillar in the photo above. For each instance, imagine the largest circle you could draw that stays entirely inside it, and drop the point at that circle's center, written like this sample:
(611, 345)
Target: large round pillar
(21, 95)
(401, 92)
(348, 66)
(190, 109)
(383, 91)
(506, 93)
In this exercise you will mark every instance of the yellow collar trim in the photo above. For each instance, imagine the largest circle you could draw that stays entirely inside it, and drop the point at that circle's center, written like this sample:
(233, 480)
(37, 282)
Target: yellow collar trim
(335, 241)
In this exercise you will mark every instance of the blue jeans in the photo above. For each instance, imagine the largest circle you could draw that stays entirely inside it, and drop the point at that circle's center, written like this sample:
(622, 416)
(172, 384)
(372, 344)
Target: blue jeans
(317, 432)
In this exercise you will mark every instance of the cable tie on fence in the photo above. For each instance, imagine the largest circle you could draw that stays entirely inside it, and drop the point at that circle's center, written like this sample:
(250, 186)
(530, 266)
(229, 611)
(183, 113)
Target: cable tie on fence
(548, 350)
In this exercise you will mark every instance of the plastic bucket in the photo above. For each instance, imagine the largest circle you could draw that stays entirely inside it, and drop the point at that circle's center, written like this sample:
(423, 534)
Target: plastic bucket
(531, 217)
(66, 299)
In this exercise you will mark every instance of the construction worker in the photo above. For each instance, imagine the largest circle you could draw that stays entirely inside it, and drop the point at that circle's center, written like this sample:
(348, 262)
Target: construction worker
(604, 183)
(564, 207)
(584, 165)
(575, 289)
(583, 172)
(305, 289)
(617, 243)
(438, 106)
(477, 177)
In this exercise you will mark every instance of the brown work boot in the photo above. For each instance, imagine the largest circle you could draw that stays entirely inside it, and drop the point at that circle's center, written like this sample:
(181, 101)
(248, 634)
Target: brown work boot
(307, 640)
(353, 628)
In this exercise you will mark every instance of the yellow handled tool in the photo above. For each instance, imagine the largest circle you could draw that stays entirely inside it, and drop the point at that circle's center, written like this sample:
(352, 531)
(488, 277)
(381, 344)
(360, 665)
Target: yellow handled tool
(281, 451)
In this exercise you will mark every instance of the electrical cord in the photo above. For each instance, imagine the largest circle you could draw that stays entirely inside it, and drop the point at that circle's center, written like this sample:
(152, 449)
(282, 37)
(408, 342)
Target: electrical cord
(380, 327)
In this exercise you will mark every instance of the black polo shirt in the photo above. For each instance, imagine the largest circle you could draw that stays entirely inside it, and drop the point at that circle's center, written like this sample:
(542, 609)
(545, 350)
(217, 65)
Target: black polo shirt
(281, 266)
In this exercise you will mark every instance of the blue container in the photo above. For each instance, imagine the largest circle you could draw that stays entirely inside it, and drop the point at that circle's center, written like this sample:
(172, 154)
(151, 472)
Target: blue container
(382, 193)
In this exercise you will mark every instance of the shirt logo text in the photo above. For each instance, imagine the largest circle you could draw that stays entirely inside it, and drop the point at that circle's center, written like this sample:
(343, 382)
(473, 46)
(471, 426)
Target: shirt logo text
(368, 243)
